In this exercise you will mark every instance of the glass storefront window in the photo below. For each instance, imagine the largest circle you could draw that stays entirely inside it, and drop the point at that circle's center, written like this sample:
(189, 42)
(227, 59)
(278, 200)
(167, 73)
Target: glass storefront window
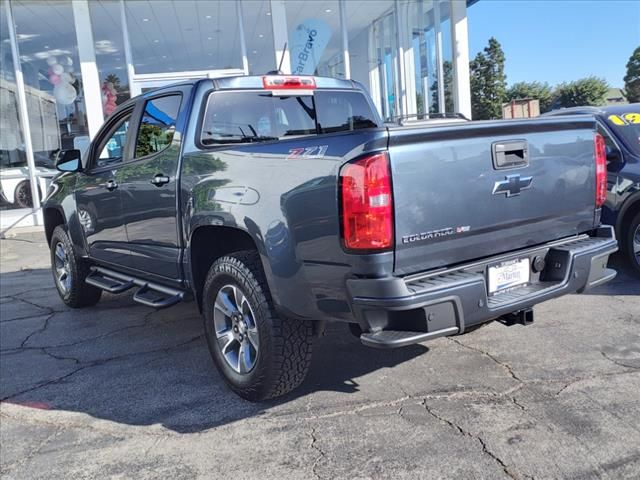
(183, 35)
(47, 45)
(15, 190)
(431, 51)
(315, 38)
(258, 32)
(371, 34)
(110, 57)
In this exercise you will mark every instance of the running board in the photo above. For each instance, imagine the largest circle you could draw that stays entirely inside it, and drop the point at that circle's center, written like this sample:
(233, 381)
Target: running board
(149, 294)
(396, 338)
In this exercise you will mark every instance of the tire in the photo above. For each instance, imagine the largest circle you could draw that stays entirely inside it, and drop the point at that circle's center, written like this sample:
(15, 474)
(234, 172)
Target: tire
(631, 245)
(70, 272)
(277, 350)
(22, 196)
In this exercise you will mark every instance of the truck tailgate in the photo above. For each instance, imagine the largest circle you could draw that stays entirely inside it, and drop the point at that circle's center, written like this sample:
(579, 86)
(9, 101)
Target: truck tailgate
(464, 192)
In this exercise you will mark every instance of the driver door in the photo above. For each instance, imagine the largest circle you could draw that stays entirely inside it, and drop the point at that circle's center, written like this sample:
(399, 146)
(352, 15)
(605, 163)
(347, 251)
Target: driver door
(98, 198)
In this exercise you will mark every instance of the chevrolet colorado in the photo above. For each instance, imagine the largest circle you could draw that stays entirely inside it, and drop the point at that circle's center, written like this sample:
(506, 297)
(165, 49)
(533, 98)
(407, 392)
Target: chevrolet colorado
(279, 203)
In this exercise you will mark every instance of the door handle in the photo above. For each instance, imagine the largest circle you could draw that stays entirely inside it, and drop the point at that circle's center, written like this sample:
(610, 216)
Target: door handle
(111, 185)
(160, 179)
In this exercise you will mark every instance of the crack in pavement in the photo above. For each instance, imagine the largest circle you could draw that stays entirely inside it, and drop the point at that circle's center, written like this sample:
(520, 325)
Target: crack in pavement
(23, 460)
(590, 377)
(23, 346)
(321, 454)
(485, 449)
(95, 363)
(39, 330)
(618, 362)
(504, 365)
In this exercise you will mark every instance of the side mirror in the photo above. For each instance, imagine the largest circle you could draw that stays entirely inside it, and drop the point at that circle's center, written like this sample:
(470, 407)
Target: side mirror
(69, 161)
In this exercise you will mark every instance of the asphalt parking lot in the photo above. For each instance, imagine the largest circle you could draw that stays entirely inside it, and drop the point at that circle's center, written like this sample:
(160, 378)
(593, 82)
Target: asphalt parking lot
(122, 391)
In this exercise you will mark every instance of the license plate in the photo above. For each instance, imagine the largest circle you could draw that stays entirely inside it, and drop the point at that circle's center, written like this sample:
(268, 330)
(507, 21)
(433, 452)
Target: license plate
(507, 275)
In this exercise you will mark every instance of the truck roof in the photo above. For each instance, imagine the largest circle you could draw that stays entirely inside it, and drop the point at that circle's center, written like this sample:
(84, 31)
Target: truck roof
(253, 82)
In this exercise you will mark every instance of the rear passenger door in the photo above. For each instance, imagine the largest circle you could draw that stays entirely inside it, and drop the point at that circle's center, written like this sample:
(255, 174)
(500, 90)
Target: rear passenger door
(149, 184)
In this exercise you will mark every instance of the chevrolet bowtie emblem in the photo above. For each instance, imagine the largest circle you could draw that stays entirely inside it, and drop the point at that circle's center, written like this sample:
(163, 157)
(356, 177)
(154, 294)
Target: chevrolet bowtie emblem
(512, 185)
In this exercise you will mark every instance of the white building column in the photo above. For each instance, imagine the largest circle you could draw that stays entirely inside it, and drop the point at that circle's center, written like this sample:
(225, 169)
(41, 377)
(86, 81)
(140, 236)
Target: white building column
(88, 67)
(345, 39)
(23, 116)
(243, 43)
(439, 58)
(460, 42)
(280, 35)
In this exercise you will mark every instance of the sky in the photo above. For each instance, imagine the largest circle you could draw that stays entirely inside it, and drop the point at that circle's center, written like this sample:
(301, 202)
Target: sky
(558, 41)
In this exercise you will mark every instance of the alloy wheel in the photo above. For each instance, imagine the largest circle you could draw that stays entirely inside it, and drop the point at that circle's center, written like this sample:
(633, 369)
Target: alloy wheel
(62, 268)
(235, 328)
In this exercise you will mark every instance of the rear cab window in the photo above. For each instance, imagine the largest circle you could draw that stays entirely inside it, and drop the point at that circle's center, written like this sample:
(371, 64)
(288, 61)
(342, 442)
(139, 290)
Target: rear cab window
(253, 116)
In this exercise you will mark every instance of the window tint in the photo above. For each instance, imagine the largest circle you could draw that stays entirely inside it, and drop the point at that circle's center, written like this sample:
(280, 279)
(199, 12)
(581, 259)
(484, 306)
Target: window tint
(112, 148)
(235, 117)
(158, 125)
(343, 111)
(239, 117)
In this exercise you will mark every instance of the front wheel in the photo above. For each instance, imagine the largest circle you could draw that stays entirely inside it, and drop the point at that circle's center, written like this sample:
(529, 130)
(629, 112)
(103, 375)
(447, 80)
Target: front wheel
(631, 244)
(22, 195)
(259, 354)
(70, 272)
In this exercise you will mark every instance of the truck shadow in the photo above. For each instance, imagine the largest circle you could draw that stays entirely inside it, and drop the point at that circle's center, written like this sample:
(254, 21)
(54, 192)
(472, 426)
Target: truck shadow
(124, 363)
(625, 282)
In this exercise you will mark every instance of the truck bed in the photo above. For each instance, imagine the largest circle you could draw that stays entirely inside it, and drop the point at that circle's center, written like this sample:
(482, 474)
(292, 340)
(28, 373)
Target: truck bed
(468, 191)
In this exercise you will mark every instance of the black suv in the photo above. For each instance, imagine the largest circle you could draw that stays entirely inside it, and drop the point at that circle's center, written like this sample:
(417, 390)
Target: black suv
(620, 127)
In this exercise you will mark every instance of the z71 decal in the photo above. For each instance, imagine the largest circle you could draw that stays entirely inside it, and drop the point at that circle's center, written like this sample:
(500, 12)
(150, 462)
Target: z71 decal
(316, 151)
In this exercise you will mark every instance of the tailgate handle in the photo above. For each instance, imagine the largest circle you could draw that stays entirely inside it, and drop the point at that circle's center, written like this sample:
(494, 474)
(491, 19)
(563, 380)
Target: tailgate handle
(510, 154)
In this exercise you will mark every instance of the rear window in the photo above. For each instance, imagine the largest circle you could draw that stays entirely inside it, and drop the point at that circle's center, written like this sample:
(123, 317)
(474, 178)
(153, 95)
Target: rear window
(239, 117)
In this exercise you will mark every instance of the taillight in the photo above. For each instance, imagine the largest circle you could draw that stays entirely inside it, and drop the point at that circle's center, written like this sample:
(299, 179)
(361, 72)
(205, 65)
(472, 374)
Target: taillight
(601, 170)
(367, 209)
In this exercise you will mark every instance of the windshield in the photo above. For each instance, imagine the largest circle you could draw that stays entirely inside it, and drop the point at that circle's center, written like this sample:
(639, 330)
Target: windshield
(627, 127)
(249, 116)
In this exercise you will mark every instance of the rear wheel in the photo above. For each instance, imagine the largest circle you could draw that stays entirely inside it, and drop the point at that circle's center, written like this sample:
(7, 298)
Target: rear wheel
(69, 272)
(259, 354)
(631, 244)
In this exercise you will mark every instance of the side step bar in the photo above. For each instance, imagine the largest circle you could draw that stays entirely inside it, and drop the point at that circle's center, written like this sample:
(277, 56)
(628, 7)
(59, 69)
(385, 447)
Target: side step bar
(396, 338)
(150, 294)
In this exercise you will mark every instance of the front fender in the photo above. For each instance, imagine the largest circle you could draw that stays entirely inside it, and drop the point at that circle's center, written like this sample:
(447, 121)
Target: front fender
(61, 198)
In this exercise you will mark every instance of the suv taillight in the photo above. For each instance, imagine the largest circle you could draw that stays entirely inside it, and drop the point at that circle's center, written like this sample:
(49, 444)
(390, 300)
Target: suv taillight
(601, 170)
(367, 203)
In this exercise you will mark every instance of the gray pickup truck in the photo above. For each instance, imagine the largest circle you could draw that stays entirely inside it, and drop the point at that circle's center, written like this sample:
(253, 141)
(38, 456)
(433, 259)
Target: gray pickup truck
(280, 203)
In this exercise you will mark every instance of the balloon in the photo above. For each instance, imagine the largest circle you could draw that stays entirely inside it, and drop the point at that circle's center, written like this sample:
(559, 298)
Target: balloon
(57, 69)
(65, 93)
(52, 60)
(67, 77)
(54, 79)
(68, 69)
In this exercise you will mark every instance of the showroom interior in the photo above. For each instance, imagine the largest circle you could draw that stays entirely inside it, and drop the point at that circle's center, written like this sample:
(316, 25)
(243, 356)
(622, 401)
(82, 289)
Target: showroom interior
(67, 64)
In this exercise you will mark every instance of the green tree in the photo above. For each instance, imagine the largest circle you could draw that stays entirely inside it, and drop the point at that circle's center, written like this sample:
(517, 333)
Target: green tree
(586, 91)
(632, 78)
(113, 78)
(488, 82)
(540, 91)
(447, 77)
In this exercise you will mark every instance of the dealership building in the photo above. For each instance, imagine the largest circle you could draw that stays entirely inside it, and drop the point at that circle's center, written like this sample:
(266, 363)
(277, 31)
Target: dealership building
(67, 64)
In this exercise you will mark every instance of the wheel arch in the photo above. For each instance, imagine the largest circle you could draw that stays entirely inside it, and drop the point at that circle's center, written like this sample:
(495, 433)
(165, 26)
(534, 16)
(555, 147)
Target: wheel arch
(52, 218)
(629, 209)
(210, 242)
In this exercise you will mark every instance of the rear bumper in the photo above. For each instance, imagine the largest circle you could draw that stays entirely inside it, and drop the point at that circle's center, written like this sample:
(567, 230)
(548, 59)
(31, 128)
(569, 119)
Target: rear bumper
(447, 302)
